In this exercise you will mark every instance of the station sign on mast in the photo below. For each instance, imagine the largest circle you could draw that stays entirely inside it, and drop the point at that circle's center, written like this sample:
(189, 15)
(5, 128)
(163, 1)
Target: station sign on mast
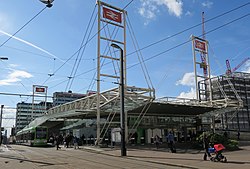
(203, 81)
(112, 15)
(110, 19)
(39, 100)
(200, 45)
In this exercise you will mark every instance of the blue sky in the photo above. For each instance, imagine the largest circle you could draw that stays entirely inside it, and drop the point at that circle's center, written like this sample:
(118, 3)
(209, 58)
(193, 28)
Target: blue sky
(43, 46)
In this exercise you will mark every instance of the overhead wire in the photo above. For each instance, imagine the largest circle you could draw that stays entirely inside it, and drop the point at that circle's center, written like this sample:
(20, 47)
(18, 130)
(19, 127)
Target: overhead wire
(114, 33)
(23, 26)
(33, 53)
(82, 47)
(185, 30)
(127, 4)
(21, 29)
(80, 54)
(183, 43)
(163, 39)
(139, 55)
(71, 56)
(180, 32)
(105, 52)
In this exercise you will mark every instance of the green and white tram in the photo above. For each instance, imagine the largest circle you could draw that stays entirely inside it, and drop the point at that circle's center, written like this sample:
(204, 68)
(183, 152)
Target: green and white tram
(33, 136)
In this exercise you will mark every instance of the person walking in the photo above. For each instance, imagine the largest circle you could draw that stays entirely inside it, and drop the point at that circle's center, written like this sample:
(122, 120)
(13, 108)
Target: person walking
(57, 143)
(75, 141)
(238, 135)
(157, 141)
(170, 139)
(206, 146)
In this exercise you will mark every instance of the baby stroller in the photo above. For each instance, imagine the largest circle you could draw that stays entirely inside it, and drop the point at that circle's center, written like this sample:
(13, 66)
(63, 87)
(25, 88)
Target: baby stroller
(216, 153)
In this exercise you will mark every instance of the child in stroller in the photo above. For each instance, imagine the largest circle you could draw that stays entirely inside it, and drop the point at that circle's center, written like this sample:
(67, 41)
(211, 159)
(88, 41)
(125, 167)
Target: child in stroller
(217, 151)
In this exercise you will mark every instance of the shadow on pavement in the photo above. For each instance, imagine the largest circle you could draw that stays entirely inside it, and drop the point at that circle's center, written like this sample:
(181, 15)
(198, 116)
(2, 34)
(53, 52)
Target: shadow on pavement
(31, 161)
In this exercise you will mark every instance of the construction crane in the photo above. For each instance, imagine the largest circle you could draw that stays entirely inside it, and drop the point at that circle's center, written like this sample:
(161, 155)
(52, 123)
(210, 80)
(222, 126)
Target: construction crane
(229, 70)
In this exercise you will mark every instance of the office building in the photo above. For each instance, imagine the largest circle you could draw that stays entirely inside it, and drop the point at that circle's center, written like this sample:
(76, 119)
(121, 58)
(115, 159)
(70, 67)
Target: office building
(64, 97)
(25, 112)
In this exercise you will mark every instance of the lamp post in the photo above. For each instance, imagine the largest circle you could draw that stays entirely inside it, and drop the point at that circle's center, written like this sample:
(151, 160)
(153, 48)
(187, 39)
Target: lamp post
(1, 58)
(122, 115)
(1, 115)
(48, 2)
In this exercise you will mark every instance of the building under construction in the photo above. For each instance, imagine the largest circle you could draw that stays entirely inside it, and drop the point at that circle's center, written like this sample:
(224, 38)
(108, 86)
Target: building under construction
(235, 86)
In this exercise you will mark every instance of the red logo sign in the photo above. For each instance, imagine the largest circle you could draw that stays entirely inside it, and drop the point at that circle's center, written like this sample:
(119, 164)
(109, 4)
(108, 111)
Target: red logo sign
(40, 89)
(112, 15)
(200, 45)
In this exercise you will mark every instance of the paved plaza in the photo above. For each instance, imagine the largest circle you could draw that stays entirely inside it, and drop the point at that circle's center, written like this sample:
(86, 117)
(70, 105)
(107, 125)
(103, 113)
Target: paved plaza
(15, 156)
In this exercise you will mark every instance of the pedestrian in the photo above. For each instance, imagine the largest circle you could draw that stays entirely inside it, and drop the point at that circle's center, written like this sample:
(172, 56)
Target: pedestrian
(67, 139)
(75, 141)
(157, 141)
(170, 139)
(238, 135)
(57, 143)
(206, 143)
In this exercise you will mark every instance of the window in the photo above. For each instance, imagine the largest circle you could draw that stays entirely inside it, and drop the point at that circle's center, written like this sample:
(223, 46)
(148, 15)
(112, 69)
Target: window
(41, 133)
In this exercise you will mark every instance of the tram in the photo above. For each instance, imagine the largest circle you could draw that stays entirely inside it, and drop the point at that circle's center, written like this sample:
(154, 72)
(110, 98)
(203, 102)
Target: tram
(33, 136)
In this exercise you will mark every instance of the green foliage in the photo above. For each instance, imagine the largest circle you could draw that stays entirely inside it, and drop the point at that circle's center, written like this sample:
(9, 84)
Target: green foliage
(216, 138)
(232, 145)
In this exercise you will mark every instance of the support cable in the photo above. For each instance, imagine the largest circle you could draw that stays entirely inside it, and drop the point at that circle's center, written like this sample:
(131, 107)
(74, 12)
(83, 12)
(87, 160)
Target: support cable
(183, 43)
(139, 55)
(74, 70)
(83, 46)
(183, 32)
(174, 47)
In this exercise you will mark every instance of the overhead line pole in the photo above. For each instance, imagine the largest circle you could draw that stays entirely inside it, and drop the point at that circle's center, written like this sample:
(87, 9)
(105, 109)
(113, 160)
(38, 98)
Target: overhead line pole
(1, 123)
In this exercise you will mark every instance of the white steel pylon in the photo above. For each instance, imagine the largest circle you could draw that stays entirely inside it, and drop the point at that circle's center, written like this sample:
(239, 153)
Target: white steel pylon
(114, 17)
(203, 91)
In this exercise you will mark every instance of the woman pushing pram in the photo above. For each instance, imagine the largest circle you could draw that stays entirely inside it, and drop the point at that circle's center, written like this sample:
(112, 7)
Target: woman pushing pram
(216, 153)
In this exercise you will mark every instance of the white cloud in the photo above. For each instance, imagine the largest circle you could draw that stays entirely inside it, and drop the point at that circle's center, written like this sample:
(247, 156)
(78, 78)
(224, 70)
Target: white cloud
(150, 8)
(4, 23)
(13, 65)
(246, 67)
(15, 76)
(207, 4)
(9, 113)
(187, 80)
(191, 94)
(188, 13)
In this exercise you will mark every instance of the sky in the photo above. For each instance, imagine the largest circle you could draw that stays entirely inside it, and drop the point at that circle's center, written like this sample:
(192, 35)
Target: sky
(44, 47)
